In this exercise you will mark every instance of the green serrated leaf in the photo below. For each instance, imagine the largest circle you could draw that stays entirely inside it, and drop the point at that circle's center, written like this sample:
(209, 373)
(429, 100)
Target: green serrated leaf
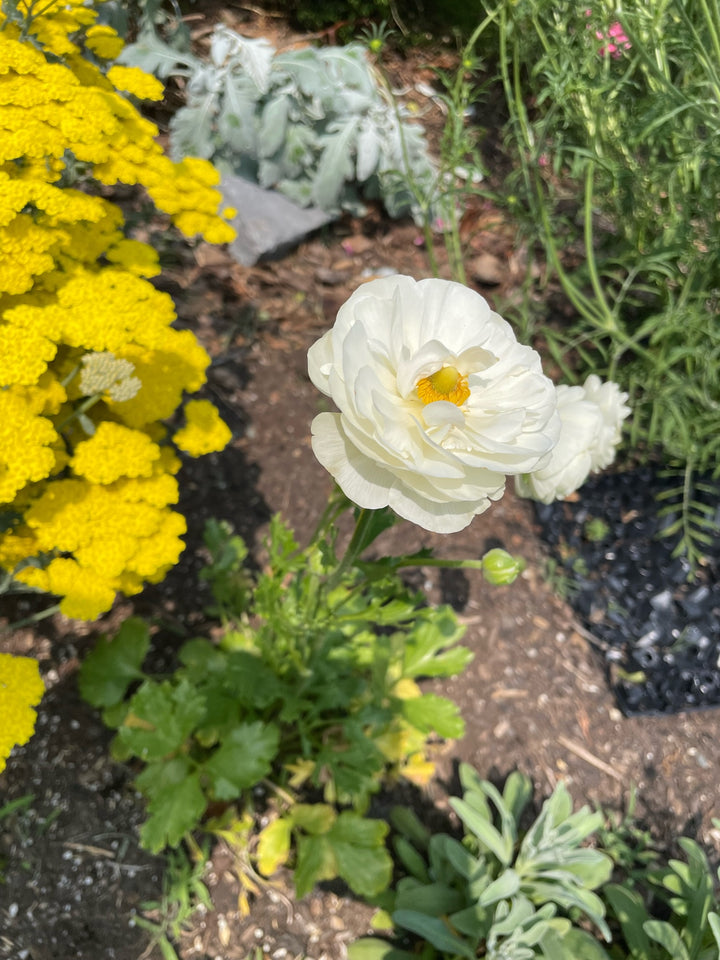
(315, 818)
(158, 776)
(160, 718)
(112, 666)
(426, 653)
(173, 812)
(202, 657)
(243, 759)
(315, 862)
(366, 870)
(430, 713)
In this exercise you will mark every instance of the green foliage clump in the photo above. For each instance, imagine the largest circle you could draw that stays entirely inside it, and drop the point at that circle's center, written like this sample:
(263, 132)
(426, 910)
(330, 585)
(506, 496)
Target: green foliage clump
(310, 692)
(615, 131)
(508, 893)
(313, 123)
(501, 892)
(672, 914)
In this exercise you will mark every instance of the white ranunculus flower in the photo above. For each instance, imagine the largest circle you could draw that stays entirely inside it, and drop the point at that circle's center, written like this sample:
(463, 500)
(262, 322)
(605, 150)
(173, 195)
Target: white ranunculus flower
(591, 419)
(437, 402)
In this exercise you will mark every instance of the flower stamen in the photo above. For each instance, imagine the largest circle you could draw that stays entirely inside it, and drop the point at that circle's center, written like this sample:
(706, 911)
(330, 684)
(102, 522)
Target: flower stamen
(445, 384)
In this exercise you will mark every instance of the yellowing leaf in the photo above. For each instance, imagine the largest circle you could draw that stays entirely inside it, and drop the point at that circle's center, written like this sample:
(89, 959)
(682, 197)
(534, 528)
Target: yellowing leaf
(406, 689)
(393, 744)
(300, 772)
(274, 846)
(315, 818)
(137, 723)
(418, 770)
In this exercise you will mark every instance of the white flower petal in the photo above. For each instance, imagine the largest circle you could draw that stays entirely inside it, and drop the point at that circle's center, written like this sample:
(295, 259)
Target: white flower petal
(361, 480)
(591, 425)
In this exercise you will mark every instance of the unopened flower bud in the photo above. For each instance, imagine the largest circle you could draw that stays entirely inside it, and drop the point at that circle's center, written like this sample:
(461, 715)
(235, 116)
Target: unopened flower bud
(500, 567)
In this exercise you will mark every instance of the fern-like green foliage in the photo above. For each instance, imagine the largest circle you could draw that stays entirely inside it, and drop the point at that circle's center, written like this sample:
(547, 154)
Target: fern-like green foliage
(617, 167)
(313, 123)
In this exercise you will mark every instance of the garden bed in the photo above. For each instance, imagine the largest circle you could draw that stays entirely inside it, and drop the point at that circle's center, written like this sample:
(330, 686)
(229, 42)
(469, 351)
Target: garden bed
(535, 698)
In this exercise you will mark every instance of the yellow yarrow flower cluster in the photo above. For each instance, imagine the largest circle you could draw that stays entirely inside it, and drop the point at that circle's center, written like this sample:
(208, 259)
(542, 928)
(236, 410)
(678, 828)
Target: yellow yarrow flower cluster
(90, 363)
(204, 431)
(21, 689)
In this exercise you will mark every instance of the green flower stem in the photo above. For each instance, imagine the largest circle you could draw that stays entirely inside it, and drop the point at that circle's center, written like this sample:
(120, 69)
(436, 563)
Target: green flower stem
(337, 504)
(33, 618)
(79, 411)
(66, 380)
(407, 561)
(358, 542)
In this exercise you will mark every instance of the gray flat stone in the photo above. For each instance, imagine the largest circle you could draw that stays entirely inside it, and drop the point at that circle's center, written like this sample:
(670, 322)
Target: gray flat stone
(268, 224)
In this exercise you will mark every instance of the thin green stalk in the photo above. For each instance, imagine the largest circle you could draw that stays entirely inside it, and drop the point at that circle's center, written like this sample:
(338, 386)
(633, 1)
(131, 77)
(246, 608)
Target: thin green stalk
(610, 321)
(33, 618)
(358, 542)
(79, 411)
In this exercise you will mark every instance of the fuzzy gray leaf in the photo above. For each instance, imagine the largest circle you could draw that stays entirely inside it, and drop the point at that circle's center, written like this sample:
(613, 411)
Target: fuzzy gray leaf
(368, 151)
(256, 59)
(336, 164)
(273, 124)
(237, 121)
(152, 55)
(191, 132)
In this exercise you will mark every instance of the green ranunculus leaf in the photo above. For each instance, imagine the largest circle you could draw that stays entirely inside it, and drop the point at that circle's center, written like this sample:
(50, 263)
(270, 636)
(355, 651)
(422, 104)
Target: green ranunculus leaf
(315, 818)
(315, 862)
(113, 665)
(202, 657)
(430, 713)
(360, 831)
(367, 871)
(174, 810)
(426, 653)
(243, 759)
(158, 776)
(160, 719)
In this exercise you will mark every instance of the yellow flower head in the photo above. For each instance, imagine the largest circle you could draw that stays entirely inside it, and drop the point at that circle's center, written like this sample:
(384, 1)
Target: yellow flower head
(205, 432)
(21, 689)
(115, 451)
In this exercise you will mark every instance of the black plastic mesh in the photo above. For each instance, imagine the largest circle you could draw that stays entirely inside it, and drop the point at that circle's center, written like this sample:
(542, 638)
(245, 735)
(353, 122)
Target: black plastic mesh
(659, 634)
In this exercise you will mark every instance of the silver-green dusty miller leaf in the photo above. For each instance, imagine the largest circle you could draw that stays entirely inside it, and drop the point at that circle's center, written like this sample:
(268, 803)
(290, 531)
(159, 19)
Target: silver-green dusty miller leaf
(314, 124)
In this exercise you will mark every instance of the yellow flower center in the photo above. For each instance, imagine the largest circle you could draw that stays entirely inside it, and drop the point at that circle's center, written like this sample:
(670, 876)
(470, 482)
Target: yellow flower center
(445, 384)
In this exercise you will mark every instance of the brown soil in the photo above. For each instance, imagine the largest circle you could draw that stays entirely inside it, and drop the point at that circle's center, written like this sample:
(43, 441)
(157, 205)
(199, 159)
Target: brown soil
(535, 697)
